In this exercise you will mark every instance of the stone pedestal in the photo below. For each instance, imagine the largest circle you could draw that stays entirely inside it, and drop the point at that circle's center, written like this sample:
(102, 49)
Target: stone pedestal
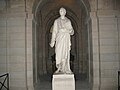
(63, 82)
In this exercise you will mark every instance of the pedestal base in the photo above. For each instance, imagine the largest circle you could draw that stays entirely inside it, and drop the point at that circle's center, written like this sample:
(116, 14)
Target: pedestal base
(63, 82)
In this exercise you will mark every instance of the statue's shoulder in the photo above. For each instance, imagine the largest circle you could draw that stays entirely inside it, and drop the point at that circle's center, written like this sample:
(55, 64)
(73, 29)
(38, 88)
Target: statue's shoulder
(56, 20)
(67, 19)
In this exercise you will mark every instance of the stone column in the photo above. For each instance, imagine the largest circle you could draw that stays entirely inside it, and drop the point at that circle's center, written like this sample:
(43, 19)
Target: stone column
(29, 50)
(96, 52)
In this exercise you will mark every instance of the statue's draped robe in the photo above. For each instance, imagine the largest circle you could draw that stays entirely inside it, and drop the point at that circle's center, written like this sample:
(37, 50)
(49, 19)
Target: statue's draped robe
(62, 29)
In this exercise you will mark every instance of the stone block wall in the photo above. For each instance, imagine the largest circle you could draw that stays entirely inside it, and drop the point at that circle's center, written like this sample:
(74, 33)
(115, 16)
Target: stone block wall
(16, 45)
(105, 37)
(109, 52)
(3, 46)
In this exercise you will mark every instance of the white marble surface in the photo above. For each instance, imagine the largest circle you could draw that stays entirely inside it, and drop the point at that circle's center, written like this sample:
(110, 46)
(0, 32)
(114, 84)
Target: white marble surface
(63, 82)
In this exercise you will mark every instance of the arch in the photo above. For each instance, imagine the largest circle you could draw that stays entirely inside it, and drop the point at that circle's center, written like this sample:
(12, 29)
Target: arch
(40, 4)
(37, 5)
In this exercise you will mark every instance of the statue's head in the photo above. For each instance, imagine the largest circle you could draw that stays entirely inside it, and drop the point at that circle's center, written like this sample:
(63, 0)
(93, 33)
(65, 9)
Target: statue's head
(62, 11)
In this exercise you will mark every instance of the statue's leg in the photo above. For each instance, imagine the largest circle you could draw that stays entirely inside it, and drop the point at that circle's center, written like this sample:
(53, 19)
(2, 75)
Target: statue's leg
(68, 70)
(58, 68)
(63, 66)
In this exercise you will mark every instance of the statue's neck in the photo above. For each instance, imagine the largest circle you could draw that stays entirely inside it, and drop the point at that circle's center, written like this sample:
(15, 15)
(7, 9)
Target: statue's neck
(62, 17)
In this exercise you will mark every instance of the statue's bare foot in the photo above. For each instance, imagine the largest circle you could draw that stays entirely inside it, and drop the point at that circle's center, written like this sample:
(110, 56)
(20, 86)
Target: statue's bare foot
(69, 72)
(57, 71)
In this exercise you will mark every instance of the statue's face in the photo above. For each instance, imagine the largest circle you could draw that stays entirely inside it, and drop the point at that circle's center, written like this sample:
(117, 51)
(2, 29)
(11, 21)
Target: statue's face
(62, 11)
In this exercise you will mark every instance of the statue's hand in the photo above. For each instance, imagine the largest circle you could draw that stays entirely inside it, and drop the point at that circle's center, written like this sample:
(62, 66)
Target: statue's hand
(63, 29)
(71, 32)
(52, 44)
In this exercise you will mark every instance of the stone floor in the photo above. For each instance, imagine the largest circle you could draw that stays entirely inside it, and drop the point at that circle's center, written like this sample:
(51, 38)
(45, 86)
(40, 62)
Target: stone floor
(45, 83)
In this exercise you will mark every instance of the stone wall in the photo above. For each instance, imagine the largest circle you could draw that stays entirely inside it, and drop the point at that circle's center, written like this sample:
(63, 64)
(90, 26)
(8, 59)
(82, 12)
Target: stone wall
(3, 38)
(109, 52)
(16, 45)
(105, 30)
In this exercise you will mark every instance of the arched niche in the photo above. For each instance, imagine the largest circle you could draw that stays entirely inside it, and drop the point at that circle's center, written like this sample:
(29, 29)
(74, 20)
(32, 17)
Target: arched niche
(45, 12)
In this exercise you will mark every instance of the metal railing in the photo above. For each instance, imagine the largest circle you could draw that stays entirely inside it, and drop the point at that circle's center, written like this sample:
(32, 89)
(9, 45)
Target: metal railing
(5, 81)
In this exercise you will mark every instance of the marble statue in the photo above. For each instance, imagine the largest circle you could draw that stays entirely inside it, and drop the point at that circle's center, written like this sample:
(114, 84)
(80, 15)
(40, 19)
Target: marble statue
(62, 29)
